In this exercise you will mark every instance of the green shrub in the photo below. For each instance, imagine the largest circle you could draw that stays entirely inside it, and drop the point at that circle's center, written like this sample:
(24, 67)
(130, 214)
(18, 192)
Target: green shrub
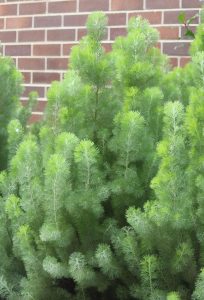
(169, 228)
(106, 201)
(94, 156)
(10, 107)
(10, 90)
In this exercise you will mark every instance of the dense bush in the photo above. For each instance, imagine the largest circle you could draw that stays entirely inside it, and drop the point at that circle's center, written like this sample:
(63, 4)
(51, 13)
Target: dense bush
(106, 201)
(10, 107)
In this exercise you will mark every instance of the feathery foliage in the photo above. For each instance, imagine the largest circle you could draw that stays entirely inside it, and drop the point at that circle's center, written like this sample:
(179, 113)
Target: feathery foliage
(106, 200)
(11, 108)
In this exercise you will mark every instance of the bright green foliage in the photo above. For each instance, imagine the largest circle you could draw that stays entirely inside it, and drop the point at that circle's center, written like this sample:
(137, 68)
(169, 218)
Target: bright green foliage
(173, 296)
(15, 136)
(10, 107)
(83, 102)
(170, 227)
(129, 141)
(136, 63)
(199, 289)
(107, 262)
(10, 90)
(167, 223)
(198, 43)
(106, 201)
(178, 83)
(68, 187)
(134, 57)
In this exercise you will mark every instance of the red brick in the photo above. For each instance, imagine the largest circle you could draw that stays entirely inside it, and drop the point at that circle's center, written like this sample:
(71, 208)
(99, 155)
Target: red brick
(28, 89)
(81, 33)
(8, 10)
(176, 49)
(45, 77)
(61, 35)
(184, 61)
(27, 77)
(191, 3)
(47, 87)
(115, 32)
(67, 49)
(162, 4)
(18, 50)
(31, 63)
(47, 21)
(18, 22)
(174, 62)
(14, 60)
(57, 63)
(116, 19)
(75, 20)
(32, 8)
(153, 17)
(126, 4)
(31, 35)
(158, 45)
(62, 6)
(93, 5)
(41, 106)
(7, 36)
(168, 33)
(35, 118)
(171, 17)
(107, 47)
(46, 50)
(1, 23)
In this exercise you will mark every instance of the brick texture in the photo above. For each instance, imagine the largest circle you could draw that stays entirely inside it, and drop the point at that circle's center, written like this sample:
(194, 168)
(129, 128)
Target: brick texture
(40, 34)
(89, 5)
(126, 5)
(62, 7)
(32, 8)
(161, 4)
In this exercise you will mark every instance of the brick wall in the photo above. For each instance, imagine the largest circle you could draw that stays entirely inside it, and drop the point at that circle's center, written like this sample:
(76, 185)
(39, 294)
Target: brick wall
(39, 34)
